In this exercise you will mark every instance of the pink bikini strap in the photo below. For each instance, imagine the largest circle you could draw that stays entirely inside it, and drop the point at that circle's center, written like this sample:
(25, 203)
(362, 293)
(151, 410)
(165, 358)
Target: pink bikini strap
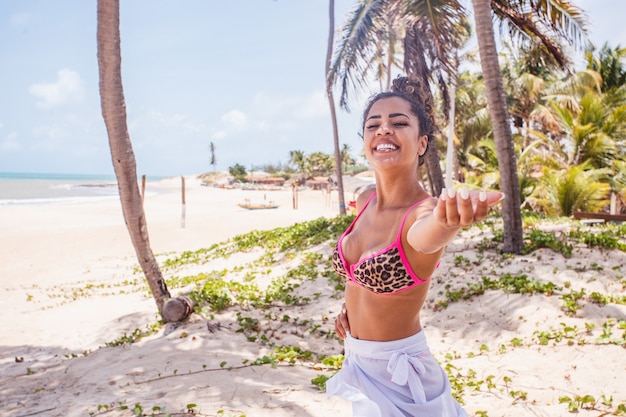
(399, 237)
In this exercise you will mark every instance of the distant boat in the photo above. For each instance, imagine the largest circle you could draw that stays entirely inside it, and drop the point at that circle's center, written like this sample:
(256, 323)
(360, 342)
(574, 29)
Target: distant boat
(258, 206)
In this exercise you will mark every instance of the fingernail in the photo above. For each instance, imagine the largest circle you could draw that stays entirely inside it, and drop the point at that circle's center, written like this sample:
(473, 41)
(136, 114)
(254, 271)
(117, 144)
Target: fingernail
(464, 193)
(451, 192)
(443, 194)
(482, 196)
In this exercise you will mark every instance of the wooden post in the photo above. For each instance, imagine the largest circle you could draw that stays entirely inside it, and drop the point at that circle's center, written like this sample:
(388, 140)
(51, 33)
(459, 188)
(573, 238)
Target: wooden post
(182, 219)
(613, 206)
(294, 193)
(328, 189)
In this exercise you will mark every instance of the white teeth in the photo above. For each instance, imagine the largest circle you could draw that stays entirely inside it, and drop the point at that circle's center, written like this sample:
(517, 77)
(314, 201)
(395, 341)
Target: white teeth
(386, 147)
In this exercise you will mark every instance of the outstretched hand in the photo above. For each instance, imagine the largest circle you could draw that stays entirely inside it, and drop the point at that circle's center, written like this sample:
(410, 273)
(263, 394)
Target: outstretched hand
(463, 208)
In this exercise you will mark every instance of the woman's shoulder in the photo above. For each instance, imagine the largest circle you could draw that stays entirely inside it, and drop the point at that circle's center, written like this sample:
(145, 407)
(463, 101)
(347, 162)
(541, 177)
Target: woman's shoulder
(421, 208)
(364, 197)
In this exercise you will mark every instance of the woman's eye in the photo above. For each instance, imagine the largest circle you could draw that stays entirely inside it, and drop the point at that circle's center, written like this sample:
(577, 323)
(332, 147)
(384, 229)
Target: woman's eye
(374, 126)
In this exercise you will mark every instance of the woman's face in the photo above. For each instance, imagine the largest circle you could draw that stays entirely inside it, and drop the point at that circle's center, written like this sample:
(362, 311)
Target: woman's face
(391, 134)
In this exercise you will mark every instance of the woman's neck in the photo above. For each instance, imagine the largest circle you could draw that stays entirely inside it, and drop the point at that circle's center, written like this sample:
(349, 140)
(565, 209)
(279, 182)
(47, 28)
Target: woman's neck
(398, 192)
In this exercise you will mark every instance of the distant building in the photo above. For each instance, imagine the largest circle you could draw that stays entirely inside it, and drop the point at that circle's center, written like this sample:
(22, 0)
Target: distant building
(318, 183)
(259, 178)
(277, 181)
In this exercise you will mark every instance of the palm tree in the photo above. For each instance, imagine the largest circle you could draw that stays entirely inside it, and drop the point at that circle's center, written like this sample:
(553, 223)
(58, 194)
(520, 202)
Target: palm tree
(375, 26)
(435, 31)
(610, 64)
(511, 214)
(123, 157)
(472, 122)
(577, 188)
(319, 164)
(298, 159)
(346, 158)
(364, 36)
(527, 18)
(333, 113)
(524, 91)
(587, 140)
(213, 161)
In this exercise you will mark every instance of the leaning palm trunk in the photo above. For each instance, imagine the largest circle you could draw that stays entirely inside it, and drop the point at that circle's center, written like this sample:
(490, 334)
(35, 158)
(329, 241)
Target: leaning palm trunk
(507, 163)
(333, 113)
(114, 113)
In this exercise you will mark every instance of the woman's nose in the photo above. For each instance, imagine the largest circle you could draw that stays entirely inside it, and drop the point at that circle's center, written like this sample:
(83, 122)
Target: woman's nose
(384, 129)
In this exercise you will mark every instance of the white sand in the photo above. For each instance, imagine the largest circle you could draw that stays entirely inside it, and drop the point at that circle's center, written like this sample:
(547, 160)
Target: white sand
(65, 291)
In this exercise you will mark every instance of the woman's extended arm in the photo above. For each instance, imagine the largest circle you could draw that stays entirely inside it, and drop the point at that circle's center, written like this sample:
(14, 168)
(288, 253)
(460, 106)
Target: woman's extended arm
(453, 211)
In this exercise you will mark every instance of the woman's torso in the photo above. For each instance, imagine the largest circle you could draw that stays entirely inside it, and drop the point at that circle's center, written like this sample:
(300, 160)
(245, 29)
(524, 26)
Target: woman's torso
(387, 312)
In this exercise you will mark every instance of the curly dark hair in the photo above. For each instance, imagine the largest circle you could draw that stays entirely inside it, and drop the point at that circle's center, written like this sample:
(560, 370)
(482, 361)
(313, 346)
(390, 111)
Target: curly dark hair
(410, 91)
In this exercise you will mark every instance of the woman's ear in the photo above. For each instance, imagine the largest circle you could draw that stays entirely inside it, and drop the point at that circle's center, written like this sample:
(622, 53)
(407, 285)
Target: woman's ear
(422, 143)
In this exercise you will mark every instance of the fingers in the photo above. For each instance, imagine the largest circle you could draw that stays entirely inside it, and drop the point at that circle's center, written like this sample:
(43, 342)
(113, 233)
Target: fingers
(481, 206)
(482, 200)
(342, 326)
(458, 208)
(465, 207)
(466, 211)
(452, 212)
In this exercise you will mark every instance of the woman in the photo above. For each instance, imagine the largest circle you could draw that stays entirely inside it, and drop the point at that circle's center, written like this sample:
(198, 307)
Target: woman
(387, 257)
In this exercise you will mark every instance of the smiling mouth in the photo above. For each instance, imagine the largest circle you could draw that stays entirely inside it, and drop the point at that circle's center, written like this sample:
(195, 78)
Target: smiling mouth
(385, 147)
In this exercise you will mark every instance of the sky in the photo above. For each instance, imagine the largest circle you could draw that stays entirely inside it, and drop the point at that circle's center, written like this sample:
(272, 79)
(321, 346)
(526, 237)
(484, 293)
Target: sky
(245, 75)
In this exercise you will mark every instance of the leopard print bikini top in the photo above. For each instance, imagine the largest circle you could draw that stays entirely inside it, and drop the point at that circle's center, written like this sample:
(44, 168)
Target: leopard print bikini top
(385, 272)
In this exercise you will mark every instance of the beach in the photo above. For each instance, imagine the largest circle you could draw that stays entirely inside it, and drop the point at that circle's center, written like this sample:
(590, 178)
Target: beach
(68, 287)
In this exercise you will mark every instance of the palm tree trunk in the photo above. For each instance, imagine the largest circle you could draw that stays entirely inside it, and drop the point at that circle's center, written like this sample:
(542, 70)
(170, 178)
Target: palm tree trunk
(417, 71)
(333, 113)
(507, 163)
(114, 114)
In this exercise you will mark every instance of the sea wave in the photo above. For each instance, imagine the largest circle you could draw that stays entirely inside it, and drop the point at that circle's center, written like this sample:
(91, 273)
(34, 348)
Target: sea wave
(56, 200)
(97, 188)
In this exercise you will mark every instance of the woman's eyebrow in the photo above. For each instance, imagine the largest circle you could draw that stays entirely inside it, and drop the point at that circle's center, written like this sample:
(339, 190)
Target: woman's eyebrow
(391, 115)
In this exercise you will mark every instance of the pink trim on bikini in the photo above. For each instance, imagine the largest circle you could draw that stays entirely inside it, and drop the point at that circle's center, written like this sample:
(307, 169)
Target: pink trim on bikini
(396, 243)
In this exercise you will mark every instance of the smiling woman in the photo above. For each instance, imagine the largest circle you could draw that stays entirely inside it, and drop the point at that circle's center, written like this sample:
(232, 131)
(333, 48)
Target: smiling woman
(387, 257)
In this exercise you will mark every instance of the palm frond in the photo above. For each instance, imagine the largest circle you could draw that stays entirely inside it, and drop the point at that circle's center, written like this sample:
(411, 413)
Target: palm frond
(542, 21)
(577, 188)
(358, 40)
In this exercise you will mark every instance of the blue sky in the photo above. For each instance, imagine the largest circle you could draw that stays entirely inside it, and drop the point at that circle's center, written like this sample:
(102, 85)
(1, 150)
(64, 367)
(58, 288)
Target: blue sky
(247, 75)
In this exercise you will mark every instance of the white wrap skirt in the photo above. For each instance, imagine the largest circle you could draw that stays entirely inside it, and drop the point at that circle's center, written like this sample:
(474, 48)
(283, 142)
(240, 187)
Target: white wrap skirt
(399, 378)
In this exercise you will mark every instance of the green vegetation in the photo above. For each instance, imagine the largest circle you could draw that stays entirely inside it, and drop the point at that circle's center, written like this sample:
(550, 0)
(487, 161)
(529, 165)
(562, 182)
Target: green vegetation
(261, 295)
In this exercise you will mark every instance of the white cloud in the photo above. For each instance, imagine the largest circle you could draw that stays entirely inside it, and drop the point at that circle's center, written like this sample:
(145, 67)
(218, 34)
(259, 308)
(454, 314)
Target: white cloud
(69, 88)
(284, 107)
(235, 119)
(157, 120)
(49, 136)
(220, 134)
(314, 105)
(10, 143)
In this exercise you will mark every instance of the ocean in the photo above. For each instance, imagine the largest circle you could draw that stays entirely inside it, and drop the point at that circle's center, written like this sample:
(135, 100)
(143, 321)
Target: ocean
(34, 188)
